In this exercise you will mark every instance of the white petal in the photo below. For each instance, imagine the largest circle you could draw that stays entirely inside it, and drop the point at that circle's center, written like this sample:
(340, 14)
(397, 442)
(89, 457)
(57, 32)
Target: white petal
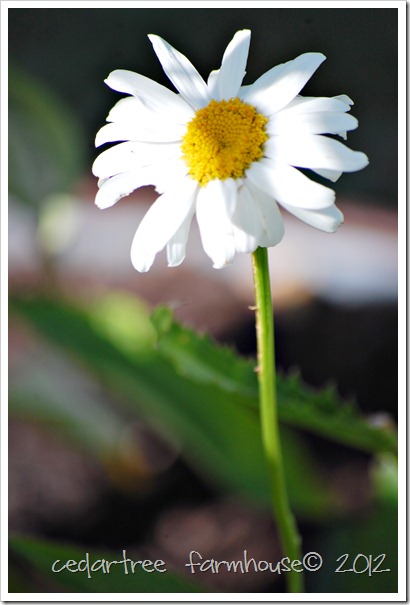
(119, 186)
(131, 156)
(115, 160)
(169, 171)
(212, 82)
(328, 219)
(243, 90)
(331, 122)
(161, 223)
(233, 66)
(133, 109)
(126, 109)
(160, 133)
(214, 224)
(287, 185)
(177, 244)
(344, 99)
(315, 151)
(161, 173)
(270, 217)
(153, 95)
(101, 182)
(181, 72)
(315, 104)
(332, 175)
(246, 222)
(277, 87)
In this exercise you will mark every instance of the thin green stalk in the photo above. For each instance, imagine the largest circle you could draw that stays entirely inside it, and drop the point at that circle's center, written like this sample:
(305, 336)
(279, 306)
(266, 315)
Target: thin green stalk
(291, 543)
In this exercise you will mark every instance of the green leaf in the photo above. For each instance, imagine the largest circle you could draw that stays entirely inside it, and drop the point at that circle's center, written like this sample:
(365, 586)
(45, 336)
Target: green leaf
(326, 414)
(41, 387)
(209, 427)
(198, 357)
(321, 412)
(202, 396)
(217, 433)
(41, 554)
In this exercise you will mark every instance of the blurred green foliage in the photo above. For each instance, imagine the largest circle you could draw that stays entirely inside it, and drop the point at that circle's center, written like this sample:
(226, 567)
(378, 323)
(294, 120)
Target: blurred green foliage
(202, 397)
(46, 147)
(364, 549)
(192, 389)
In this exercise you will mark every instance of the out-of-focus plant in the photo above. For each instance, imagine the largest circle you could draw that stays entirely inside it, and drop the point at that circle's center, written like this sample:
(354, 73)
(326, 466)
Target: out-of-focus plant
(45, 160)
(188, 389)
(46, 148)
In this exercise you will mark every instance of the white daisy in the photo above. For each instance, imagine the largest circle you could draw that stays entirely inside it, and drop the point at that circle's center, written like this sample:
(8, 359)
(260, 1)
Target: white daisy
(225, 152)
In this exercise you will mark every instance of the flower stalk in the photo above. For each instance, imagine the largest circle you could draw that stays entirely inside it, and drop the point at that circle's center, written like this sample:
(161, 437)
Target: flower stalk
(289, 536)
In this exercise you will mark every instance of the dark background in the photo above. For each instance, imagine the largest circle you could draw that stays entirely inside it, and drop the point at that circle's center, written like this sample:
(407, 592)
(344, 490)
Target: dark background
(73, 50)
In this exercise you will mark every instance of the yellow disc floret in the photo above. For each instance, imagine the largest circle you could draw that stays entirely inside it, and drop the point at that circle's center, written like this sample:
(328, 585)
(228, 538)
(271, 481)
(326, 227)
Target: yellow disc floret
(223, 139)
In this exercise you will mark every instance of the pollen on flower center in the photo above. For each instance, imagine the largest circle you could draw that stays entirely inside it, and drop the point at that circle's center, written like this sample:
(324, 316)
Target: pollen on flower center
(223, 139)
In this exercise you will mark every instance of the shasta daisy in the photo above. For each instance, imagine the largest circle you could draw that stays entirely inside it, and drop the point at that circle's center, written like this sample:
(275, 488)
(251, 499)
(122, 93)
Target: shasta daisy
(224, 152)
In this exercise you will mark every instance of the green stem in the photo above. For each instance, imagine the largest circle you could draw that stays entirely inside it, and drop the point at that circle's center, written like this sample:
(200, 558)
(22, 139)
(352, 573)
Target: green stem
(291, 543)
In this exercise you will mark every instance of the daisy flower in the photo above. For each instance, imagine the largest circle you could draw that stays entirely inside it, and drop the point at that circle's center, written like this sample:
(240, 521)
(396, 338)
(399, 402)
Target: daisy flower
(223, 151)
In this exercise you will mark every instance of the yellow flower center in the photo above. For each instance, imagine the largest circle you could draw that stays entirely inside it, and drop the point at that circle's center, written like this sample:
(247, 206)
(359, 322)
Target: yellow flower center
(223, 139)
